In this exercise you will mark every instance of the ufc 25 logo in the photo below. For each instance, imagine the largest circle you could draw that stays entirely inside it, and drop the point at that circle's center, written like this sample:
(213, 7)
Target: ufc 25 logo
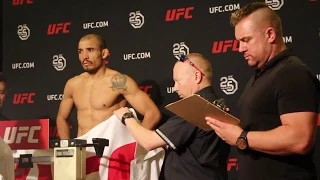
(175, 14)
(179, 49)
(59, 62)
(23, 32)
(57, 28)
(17, 134)
(232, 164)
(228, 85)
(223, 46)
(136, 19)
(23, 97)
(20, 2)
(275, 4)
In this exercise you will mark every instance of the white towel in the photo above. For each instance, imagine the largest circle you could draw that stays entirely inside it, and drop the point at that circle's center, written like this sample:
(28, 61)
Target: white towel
(6, 161)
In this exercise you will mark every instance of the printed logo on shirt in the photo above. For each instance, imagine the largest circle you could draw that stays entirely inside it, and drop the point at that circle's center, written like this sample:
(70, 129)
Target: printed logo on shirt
(275, 4)
(228, 85)
(179, 49)
(224, 8)
(23, 32)
(136, 19)
(318, 76)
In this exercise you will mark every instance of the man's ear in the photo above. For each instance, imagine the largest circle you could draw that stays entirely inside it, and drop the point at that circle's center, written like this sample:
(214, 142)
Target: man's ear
(271, 35)
(198, 77)
(105, 53)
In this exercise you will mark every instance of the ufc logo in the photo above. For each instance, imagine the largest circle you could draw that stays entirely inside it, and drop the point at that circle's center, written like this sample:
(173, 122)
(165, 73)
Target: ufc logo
(60, 27)
(223, 46)
(17, 133)
(175, 14)
(145, 89)
(24, 97)
(20, 2)
(232, 164)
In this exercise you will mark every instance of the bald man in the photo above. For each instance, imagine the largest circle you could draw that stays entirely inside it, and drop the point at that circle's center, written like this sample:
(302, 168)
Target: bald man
(278, 107)
(192, 154)
(99, 91)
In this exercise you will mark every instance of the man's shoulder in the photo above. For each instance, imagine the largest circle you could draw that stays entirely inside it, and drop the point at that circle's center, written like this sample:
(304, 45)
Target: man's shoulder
(116, 74)
(293, 67)
(77, 78)
(119, 77)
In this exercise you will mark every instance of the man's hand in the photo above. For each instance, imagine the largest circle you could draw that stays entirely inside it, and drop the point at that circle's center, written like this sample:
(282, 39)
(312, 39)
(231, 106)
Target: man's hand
(120, 112)
(227, 132)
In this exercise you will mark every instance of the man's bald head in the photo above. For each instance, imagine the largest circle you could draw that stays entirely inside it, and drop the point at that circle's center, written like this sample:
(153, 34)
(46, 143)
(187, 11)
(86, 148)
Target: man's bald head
(187, 79)
(100, 40)
(260, 15)
(202, 63)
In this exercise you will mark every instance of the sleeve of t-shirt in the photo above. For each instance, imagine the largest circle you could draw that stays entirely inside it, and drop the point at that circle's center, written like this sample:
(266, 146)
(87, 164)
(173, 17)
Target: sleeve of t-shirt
(296, 90)
(176, 132)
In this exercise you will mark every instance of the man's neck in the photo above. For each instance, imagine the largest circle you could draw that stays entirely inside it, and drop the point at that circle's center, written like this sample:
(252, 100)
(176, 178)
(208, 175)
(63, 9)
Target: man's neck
(100, 73)
(277, 49)
(203, 85)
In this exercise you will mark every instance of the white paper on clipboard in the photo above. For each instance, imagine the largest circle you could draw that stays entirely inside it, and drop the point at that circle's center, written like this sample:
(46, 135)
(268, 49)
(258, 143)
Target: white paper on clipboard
(194, 109)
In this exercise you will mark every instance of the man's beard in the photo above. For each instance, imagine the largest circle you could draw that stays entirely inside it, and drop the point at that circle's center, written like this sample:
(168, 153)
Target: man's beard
(92, 71)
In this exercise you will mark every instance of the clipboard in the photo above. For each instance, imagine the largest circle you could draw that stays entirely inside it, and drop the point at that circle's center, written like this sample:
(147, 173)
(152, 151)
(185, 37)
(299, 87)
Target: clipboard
(195, 108)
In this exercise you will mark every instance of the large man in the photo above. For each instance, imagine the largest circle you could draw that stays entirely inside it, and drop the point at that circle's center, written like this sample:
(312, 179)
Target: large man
(279, 105)
(99, 91)
(193, 154)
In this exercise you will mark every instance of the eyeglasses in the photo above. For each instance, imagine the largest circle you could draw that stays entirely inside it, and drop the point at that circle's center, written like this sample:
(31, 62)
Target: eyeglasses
(185, 58)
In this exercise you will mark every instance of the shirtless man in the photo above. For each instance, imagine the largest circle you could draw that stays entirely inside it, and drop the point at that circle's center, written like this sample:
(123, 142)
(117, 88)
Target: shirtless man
(99, 91)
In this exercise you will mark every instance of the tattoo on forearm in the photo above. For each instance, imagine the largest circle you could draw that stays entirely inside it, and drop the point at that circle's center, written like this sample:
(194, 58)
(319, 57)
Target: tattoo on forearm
(119, 82)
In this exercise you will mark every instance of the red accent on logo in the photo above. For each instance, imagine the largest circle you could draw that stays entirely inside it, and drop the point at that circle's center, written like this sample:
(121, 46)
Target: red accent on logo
(146, 89)
(60, 27)
(175, 14)
(223, 46)
(21, 98)
(232, 163)
(25, 134)
(20, 2)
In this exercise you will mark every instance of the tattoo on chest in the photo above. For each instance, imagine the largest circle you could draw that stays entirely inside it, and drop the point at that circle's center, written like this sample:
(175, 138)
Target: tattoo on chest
(119, 82)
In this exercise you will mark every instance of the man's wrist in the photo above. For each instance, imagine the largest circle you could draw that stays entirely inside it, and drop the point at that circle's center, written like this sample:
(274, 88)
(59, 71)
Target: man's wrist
(126, 116)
